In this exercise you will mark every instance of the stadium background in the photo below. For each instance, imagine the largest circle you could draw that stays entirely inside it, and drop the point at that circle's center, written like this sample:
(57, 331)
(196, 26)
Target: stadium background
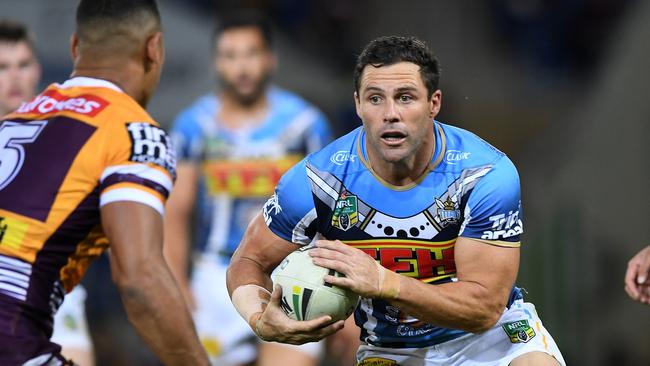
(561, 86)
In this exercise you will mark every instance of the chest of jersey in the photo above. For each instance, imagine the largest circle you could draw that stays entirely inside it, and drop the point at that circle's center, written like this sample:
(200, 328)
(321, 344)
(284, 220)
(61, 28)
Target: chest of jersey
(411, 232)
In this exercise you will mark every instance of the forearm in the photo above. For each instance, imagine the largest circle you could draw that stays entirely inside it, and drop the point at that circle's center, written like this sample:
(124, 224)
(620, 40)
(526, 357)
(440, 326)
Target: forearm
(249, 286)
(156, 309)
(460, 305)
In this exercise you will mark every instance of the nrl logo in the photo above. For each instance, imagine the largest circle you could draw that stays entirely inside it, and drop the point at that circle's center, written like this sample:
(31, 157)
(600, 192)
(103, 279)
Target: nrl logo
(346, 213)
(448, 211)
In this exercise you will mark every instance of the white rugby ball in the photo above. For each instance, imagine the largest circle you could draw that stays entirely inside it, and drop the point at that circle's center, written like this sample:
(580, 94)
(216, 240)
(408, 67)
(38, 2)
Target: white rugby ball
(305, 295)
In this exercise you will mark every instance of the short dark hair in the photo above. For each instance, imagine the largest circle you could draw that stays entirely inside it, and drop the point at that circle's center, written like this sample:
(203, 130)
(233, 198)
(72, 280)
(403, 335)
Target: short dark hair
(389, 50)
(14, 32)
(243, 19)
(105, 14)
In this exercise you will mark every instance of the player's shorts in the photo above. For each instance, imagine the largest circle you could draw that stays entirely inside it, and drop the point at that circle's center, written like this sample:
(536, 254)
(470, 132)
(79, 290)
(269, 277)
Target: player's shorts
(519, 331)
(70, 326)
(226, 337)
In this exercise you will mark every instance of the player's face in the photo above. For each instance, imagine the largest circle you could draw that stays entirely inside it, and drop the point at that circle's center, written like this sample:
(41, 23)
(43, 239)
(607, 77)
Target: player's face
(244, 63)
(396, 112)
(19, 74)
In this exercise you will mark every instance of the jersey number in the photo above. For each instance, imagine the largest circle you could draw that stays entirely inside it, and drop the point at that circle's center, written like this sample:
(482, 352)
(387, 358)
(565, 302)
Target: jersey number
(13, 136)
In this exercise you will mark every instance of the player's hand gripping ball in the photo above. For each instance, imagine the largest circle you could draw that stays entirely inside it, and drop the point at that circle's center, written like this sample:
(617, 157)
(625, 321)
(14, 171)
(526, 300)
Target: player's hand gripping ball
(305, 295)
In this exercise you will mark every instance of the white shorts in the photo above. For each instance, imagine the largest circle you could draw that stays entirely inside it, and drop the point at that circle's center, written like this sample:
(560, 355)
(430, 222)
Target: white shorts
(70, 326)
(226, 337)
(496, 347)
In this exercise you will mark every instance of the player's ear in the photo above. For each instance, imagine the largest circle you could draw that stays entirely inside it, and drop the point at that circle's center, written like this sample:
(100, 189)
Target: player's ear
(154, 50)
(434, 103)
(357, 104)
(74, 46)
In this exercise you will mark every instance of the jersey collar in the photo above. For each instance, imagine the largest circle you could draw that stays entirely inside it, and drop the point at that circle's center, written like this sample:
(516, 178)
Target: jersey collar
(89, 82)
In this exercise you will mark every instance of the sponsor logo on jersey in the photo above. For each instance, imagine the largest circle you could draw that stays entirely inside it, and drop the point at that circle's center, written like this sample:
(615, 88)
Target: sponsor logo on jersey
(504, 226)
(12, 232)
(377, 361)
(346, 213)
(455, 156)
(271, 207)
(340, 157)
(246, 178)
(150, 144)
(53, 101)
(410, 331)
(424, 260)
(519, 331)
(448, 212)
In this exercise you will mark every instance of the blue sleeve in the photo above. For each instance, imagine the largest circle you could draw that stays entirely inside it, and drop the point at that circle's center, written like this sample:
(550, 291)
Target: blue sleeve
(290, 212)
(493, 210)
(319, 134)
(187, 137)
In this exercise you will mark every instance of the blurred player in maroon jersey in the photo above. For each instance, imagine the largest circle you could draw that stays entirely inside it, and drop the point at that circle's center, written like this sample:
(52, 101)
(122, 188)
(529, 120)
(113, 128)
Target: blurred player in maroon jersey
(83, 167)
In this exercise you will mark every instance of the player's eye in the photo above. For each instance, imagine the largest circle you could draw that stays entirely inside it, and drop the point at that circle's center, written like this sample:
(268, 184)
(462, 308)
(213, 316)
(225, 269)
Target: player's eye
(405, 98)
(375, 99)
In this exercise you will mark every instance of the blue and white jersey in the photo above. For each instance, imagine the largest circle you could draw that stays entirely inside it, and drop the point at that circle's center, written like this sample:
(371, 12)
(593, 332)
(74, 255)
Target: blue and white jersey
(471, 190)
(241, 167)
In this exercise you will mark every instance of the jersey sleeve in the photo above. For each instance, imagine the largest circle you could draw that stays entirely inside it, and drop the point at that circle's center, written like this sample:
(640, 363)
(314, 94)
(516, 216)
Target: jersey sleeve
(319, 134)
(140, 165)
(493, 211)
(186, 135)
(290, 212)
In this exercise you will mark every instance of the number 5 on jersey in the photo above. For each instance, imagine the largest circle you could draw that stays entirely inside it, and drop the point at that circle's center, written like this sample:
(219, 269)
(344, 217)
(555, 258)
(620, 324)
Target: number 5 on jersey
(13, 136)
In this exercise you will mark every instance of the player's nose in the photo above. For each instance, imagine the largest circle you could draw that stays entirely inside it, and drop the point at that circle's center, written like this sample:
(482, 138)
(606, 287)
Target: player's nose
(391, 114)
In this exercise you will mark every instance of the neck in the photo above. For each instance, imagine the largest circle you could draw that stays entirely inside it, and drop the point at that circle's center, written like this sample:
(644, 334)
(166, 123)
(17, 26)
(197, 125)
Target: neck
(126, 76)
(235, 114)
(402, 172)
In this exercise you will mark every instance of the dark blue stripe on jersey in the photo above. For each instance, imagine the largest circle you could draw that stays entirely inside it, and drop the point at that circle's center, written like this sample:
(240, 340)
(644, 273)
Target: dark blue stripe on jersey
(132, 178)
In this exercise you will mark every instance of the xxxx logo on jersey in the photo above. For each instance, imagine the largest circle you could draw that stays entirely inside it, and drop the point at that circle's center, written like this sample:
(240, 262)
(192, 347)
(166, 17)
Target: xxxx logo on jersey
(424, 260)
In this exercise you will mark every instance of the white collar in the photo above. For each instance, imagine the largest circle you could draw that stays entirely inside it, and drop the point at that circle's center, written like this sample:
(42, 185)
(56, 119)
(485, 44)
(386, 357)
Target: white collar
(89, 82)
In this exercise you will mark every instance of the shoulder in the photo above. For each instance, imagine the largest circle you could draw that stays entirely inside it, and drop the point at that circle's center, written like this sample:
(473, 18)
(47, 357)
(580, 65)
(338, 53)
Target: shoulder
(466, 150)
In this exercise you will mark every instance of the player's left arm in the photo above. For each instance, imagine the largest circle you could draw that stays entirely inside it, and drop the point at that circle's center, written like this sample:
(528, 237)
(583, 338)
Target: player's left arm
(486, 268)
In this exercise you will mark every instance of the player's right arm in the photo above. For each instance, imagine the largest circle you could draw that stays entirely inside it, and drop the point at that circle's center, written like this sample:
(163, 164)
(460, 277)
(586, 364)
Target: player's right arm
(260, 251)
(134, 186)
(249, 284)
(149, 293)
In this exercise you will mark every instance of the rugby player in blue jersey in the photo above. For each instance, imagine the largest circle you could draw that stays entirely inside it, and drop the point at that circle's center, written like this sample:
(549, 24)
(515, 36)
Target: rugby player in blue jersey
(423, 219)
(233, 145)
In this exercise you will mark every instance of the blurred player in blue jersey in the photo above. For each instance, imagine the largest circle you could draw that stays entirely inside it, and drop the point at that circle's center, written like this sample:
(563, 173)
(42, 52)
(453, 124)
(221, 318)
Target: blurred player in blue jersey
(19, 75)
(423, 219)
(233, 147)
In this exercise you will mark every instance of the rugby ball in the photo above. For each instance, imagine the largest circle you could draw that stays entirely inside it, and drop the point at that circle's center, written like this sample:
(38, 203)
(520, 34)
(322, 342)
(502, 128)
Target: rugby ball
(305, 295)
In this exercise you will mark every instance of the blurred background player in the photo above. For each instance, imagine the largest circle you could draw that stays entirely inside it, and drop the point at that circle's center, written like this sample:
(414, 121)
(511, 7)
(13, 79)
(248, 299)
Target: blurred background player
(19, 76)
(83, 166)
(19, 68)
(637, 276)
(232, 147)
